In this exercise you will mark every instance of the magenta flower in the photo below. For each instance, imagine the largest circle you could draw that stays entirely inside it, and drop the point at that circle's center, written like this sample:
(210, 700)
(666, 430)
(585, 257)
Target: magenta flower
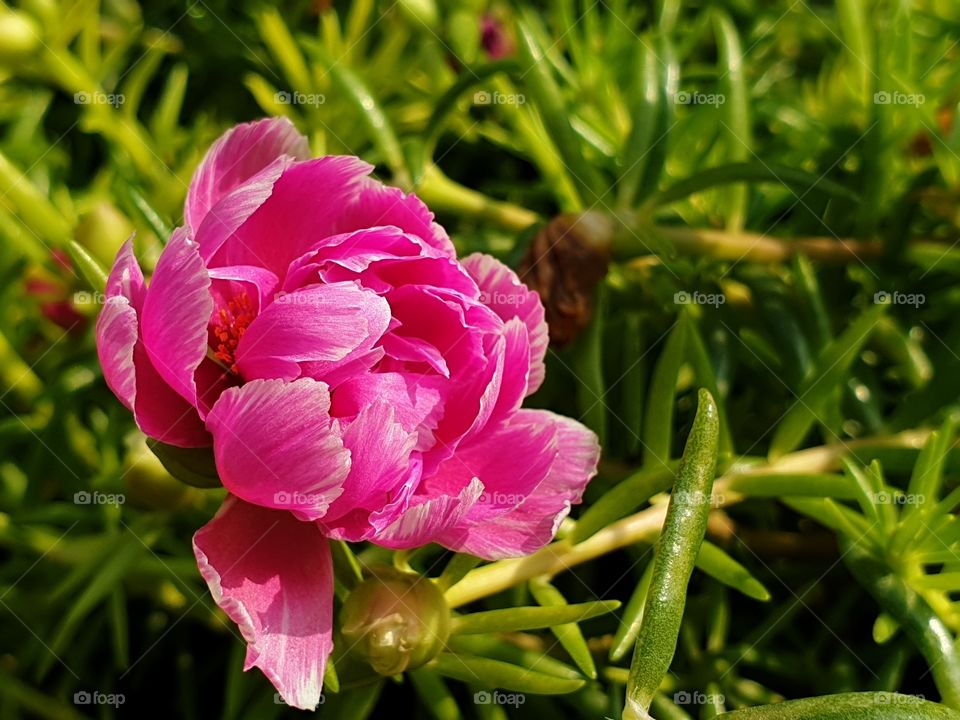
(354, 380)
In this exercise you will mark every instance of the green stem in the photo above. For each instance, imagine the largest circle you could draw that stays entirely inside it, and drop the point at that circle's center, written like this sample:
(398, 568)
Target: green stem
(445, 195)
(683, 531)
(849, 706)
(920, 623)
(644, 525)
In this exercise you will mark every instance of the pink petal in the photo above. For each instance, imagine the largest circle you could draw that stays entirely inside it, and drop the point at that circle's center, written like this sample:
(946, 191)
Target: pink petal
(426, 520)
(326, 324)
(239, 154)
(507, 477)
(159, 411)
(320, 198)
(272, 575)
(415, 350)
(516, 369)
(534, 522)
(380, 456)
(379, 204)
(275, 447)
(117, 334)
(502, 291)
(175, 315)
(223, 219)
(302, 209)
(417, 400)
(259, 283)
(126, 277)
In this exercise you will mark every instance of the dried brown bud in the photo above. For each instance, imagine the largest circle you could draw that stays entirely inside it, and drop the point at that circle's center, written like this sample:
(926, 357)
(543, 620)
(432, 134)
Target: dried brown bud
(566, 259)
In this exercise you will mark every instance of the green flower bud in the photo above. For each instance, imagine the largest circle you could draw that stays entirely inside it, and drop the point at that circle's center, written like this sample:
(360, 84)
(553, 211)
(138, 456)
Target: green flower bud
(19, 35)
(395, 621)
(420, 12)
(149, 485)
(102, 231)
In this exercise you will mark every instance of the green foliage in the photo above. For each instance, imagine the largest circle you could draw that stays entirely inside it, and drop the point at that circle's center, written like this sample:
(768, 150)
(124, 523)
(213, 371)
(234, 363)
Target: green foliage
(782, 179)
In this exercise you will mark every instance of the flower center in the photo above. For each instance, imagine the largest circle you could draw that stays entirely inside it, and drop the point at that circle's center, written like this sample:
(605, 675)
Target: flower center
(229, 324)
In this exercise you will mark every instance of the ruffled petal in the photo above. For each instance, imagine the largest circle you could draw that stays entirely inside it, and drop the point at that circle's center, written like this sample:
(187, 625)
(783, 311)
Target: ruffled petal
(427, 519)
(272, 575)
(275, 447)
(160, 411)
(417, 400)
(126, 277)
(223, 219)
(117, 333)
(380, 456)
(324, 324)
(239, 154)
(319, 198)
(534, 521)
(379, 204)
(176, 313)
(503, 292)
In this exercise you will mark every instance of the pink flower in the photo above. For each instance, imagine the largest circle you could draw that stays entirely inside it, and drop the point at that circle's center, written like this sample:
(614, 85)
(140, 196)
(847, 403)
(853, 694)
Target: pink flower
(354, 380)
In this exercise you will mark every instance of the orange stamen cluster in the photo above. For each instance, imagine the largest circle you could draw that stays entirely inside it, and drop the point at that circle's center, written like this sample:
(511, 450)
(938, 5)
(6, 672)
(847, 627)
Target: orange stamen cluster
(229, 325)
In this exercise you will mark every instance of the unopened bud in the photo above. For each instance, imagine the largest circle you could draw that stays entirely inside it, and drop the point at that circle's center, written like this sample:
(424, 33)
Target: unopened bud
(565, 261)
(395, 621)
(102, 231)
(19, 35)
(149, 485)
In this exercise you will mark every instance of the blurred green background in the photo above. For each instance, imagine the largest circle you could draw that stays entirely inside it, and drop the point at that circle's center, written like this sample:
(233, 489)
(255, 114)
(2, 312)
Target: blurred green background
(780, 180)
